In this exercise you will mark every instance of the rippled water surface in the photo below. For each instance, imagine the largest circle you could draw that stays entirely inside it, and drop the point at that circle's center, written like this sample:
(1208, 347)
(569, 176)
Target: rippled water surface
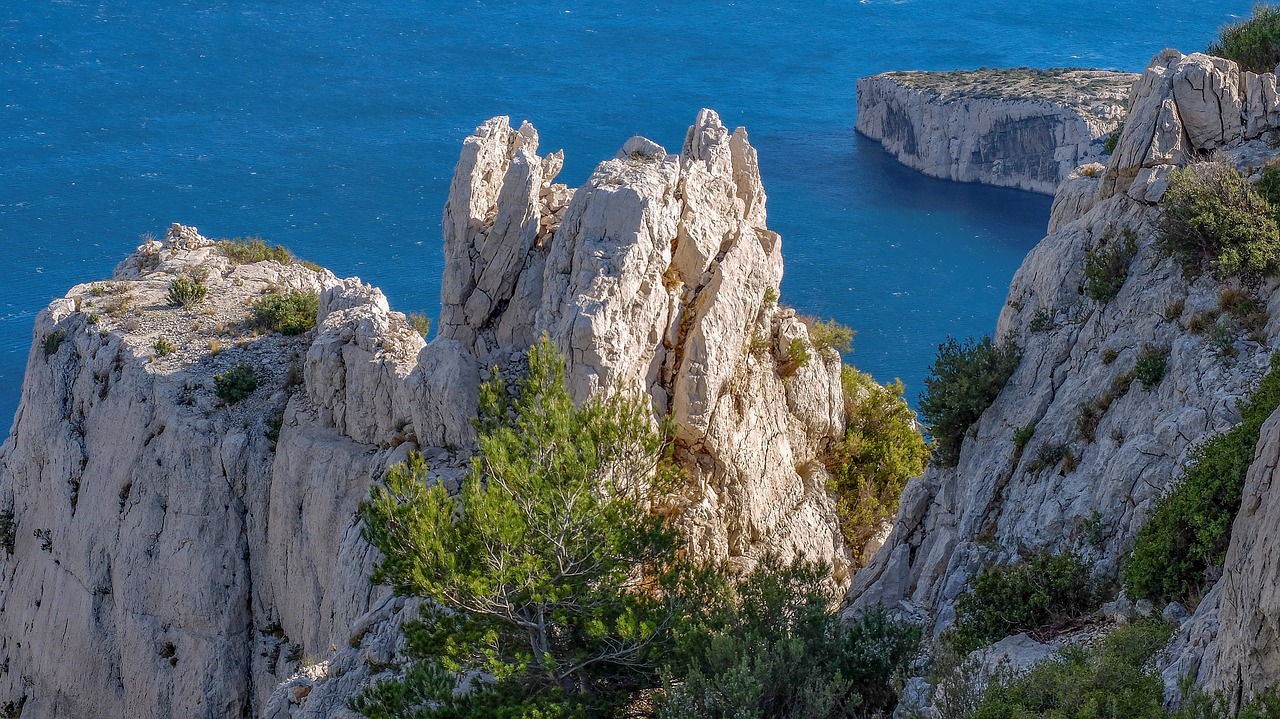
(333, 127)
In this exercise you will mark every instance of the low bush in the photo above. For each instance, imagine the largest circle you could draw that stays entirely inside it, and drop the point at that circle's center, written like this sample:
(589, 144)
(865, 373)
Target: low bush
(774, 648)
(1113, 139)
(1254, 43)
(796, 356)
(1114, 679)
(8, 531)
(53, 341)
(1042, 320)
(1199, 704)
(1022, 435)
(1106, 266)
(1269, 187)
(187, 292)
(164, 347)
(246, 250)
(1213, 219)
(1039, 595)
(881, 449)
(419, 322)
(1190, 527)
(829, 334)
(963, 381)
(291, 313)
(235, 384)
(1152, 363)
(1050, 456)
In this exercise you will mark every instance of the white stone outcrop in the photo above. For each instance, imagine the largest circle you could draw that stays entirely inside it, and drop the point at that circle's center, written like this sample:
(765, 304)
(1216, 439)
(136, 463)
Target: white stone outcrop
(1027, 129)
(163, 553)
(1183, 107)
(1105, 447)
(655, 276)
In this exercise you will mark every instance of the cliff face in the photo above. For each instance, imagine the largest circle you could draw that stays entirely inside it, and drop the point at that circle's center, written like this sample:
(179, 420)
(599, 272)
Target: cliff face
(174, 556)
(1012, 128)
(1103, 452)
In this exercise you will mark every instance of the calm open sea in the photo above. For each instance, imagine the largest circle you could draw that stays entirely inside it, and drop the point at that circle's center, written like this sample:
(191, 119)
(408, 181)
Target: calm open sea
(333, 127)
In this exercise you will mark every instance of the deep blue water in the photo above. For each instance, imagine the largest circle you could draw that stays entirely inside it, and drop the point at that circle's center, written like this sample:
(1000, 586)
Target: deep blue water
(333, 127)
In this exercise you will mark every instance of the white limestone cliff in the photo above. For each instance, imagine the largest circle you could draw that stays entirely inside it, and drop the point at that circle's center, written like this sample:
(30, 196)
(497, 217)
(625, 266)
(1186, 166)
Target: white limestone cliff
(175, 556)
(1105, 472)
(1020, 128)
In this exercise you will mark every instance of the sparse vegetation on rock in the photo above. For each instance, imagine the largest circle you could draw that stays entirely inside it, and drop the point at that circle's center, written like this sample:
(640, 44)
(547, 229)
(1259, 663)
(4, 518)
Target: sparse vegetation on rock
(829, 334)
(53, 341)
(1190, 527)
(1106, 266)
(246, 250)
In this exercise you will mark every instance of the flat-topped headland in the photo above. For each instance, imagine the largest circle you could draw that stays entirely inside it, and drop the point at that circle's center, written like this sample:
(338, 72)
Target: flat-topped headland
(1022, 127)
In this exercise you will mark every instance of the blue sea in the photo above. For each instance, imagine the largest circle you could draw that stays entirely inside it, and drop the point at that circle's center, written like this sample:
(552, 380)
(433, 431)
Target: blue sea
(333, 128)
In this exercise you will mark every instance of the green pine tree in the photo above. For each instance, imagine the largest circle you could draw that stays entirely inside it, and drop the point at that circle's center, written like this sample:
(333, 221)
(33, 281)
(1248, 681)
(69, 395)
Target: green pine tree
(549, 580)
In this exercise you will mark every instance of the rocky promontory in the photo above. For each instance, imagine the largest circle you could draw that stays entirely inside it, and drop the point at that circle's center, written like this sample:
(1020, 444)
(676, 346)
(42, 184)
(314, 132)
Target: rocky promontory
(1020, 127)
(1073, 455)
(169, 548)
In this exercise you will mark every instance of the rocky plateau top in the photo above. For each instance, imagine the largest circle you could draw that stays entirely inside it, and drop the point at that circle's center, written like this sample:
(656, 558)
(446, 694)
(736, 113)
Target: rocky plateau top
(1019, 127)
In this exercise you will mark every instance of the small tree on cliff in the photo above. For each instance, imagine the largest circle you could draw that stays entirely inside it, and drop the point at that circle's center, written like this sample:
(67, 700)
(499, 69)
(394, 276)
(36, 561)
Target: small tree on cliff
(549, 581)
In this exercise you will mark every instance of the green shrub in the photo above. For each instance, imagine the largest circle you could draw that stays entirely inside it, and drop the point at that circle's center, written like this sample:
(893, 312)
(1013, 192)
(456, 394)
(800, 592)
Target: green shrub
(1190, 527)
(1106, 266)
(1042, 320)
(881, 449)
(53, 341)
(418, 321)
(8, 531)
(235, 384)
(1246, 312)
(1050, 455)
(963, 381)
(829, 334)
(1038, 596)
(187, 291)
(246, 250)
(1212, 219)
(291, 313)
(796, 356)
(163, 347)
(774, 648)
(1113, 139)
(1253, 43)
(1196, 703)
(1022, 435)
(1269, 186)
(1114, 679)
(1152, 363)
